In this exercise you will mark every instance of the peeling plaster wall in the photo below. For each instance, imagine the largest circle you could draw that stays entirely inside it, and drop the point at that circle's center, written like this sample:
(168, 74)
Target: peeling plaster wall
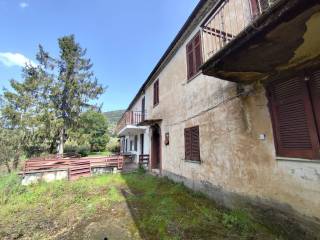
(234, 158)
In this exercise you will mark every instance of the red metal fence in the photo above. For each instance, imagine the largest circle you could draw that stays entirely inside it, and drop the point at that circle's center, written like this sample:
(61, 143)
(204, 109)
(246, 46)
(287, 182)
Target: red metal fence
(76, 168)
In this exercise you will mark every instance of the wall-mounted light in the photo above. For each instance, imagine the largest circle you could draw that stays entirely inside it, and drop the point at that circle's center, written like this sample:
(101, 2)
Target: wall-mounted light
(166, 139)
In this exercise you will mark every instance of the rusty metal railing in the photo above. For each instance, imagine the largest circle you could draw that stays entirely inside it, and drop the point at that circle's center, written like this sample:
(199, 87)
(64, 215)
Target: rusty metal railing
(228, 20)
(131, 118)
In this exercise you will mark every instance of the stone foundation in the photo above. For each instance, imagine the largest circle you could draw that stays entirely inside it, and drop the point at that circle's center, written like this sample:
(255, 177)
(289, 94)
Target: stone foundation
(103, 170)
(46, 176)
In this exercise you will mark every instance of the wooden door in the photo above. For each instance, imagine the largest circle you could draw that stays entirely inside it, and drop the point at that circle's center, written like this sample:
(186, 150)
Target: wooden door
(156, 148)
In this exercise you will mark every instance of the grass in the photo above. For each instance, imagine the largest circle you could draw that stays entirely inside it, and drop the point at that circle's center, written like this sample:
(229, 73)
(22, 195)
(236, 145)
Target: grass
(130, 206)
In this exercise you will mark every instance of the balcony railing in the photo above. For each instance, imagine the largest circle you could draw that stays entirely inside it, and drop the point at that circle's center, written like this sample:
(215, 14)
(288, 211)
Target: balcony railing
(131, 118)
(228, 20)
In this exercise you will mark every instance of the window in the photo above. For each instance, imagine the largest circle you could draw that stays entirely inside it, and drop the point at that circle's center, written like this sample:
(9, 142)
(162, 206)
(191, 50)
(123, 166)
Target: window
(143, 109)
(192, 143)
(194, 56)
(156, 93)
(295, 111)
(136, 142)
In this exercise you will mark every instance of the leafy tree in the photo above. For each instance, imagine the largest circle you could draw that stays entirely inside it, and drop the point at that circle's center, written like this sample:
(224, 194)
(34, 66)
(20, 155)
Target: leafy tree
(72, 83)
(10, 145)
(93, 126)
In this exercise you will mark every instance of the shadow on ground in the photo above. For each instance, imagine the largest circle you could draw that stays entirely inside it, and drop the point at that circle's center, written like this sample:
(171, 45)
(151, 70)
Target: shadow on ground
(123, 206)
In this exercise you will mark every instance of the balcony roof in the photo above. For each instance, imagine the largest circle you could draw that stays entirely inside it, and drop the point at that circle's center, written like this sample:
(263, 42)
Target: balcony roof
(131, 130)
(280, 43)
(149, 122)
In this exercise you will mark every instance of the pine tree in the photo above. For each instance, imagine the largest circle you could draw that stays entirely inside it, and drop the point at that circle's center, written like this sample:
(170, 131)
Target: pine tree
(51, 97)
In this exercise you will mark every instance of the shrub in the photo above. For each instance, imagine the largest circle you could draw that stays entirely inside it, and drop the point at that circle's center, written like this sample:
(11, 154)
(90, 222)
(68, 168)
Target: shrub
(83, 150)
(113, 145)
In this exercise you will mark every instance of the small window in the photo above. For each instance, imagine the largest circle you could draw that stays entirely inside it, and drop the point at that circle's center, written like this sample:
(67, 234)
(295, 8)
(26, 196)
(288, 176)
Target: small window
(192, 143)
(156, 93)
(136, 142)
(194, 56)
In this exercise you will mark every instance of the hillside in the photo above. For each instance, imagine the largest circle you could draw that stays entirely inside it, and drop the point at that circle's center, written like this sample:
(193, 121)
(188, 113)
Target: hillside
(114, 116)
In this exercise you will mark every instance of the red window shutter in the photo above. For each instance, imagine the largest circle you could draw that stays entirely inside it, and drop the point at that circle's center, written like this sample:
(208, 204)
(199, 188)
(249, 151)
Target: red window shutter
(187, 143)
(192, 143)
(158, 91)
(190, 60)
(293, 119)
(194, 55)
(154, 94)
(195, 149)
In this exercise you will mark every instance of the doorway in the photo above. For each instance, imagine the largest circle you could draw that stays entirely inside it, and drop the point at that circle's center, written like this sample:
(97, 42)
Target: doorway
(141, 144)
(156, 147)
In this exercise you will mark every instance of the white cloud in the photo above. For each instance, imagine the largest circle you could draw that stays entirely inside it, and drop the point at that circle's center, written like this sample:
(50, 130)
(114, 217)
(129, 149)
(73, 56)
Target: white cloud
(15, 59)
(23, 5)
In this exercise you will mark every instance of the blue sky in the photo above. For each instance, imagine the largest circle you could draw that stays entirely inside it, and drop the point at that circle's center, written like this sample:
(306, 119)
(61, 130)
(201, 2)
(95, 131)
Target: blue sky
(125, 39)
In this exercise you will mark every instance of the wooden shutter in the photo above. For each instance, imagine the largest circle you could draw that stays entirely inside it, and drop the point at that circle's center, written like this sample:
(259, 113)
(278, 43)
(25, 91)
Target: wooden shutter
(143, 109)
(190, 62)
(195, 148)
(194, 56)
(187, 143)
(192, 143)
(293, 119)
(156, 93)
(314, 86)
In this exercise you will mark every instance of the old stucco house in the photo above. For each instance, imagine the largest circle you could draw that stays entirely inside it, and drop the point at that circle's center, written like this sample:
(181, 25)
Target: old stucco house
(232, 109)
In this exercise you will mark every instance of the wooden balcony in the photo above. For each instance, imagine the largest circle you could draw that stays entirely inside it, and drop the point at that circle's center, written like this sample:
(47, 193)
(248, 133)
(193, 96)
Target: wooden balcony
(132, 118)
(228, 19)
(250, 40)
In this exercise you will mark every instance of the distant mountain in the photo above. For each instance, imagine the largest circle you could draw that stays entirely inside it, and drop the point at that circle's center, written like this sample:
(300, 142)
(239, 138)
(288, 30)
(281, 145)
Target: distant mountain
(114, 116)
